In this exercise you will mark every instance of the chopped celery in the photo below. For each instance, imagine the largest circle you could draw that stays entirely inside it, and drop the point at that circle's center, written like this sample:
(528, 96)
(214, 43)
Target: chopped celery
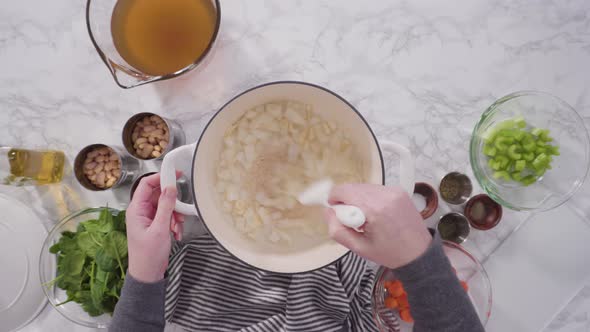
(528, 180)
(545, 138)
(507, 132)
(506, 124)
(554, 150)
(494, 164)
(502, 161)
(519, 121)
(537, 132)
(540, 171)
(489, 135)
(501, 143)
(541, 160)
(502, 174)
(518, 153)
(489, 150)
(513, 153)
(510, 166)
(528, 137)
(529, 146)
(528, 156)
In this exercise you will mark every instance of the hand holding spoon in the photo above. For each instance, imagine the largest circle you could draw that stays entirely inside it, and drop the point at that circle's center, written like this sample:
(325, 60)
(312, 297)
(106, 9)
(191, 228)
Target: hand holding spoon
(319, 192)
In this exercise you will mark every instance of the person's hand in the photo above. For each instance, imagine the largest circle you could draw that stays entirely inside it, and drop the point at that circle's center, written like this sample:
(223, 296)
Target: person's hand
(150, 219)
(394, 233)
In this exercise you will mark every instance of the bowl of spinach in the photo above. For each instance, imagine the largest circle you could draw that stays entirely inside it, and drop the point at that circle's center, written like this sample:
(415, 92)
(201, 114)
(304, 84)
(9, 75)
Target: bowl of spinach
(83, 264)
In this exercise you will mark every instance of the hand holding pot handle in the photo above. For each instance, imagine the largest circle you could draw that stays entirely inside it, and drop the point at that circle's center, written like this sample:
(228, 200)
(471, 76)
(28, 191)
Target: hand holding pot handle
(168, 174)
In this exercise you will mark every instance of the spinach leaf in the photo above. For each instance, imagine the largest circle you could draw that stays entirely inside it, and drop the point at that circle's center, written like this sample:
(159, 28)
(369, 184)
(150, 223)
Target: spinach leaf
(99, 226)
(72, 263)
(54, 249)
(88, 243)
(68, 234)
(92, 261)
(106, 218)
(68, 244)
(119, 222)
(85, 299)
(115, 245)
(104, 261)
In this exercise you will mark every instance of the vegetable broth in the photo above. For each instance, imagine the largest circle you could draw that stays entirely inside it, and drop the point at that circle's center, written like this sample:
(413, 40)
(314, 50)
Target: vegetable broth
(161, 37)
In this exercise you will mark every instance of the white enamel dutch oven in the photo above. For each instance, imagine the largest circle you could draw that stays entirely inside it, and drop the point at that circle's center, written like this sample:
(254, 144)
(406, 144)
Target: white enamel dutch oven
(205, 153)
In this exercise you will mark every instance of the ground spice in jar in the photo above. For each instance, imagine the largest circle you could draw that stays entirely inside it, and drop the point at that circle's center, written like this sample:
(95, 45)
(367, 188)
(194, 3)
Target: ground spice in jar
(453, 227)
(455, 188)
(450, 189)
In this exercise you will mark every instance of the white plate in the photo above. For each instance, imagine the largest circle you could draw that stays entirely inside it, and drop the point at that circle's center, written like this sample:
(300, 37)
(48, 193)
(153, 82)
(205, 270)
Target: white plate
(21, 238)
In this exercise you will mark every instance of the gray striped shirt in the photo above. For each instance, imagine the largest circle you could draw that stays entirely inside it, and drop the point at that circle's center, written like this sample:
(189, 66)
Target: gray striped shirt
(209, 290)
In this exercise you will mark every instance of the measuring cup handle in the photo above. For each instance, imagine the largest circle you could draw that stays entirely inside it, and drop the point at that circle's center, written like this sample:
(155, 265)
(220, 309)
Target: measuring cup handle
(406, 164)
(168, 174)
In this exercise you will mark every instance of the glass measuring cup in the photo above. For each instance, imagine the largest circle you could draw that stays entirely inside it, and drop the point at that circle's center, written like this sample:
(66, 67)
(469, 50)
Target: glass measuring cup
(98, 22)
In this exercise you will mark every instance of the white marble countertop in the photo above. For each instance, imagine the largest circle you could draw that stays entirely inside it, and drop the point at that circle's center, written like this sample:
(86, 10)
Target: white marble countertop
(421, 72)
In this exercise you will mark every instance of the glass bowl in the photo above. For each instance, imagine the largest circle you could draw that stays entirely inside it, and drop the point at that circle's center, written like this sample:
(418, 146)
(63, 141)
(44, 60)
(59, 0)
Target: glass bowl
(48, 270)
(569, 169)
(468, 269)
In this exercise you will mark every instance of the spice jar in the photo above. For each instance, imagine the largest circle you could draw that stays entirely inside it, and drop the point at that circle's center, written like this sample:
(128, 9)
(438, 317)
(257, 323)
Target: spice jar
(425, 199)
(453, 227)
(483, 212)
(455, 188)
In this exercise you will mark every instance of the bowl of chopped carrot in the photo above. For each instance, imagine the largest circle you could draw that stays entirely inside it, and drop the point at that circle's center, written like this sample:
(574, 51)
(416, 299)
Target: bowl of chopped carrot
(391, 309)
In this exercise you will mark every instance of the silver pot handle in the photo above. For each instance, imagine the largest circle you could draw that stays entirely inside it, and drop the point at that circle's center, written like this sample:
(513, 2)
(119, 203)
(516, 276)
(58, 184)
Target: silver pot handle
(168, 174)
(407, 167)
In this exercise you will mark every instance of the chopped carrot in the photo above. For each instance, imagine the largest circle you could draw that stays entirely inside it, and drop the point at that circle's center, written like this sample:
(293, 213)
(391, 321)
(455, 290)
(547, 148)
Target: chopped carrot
(403, 301)
(396, 284)
(391, 303)
(465, 286)
(396, 291)
(406, 316)
(396, 288)
(387, 283)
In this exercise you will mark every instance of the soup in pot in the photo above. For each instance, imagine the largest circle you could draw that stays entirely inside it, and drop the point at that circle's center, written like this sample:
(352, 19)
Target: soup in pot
(269, 156)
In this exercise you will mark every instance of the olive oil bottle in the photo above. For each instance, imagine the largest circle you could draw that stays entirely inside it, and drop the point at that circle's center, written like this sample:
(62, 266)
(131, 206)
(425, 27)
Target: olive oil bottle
(31, 167)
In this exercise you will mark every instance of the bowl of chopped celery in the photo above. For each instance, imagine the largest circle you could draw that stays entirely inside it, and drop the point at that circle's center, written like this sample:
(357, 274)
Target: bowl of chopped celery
(530, 151)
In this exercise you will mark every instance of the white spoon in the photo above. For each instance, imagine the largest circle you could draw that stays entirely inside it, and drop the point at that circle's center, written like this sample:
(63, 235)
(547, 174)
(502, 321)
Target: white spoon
(319, 192)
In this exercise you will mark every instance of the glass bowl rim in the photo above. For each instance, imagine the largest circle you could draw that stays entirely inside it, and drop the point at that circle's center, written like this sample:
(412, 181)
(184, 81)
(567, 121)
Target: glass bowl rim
(50, 236)
(382, 270)
(490, 111)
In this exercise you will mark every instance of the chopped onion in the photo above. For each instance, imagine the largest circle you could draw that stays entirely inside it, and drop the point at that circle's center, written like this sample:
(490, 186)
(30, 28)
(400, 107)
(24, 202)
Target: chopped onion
(269, 156)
